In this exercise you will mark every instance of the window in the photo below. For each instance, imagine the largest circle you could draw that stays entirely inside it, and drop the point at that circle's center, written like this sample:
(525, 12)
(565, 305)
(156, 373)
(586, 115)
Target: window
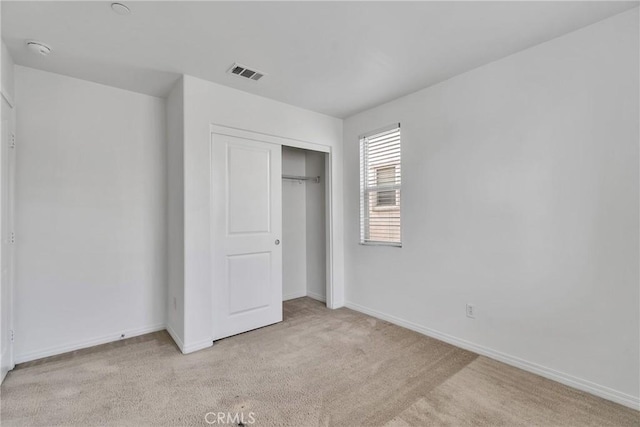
(380, 187)
(386, 175)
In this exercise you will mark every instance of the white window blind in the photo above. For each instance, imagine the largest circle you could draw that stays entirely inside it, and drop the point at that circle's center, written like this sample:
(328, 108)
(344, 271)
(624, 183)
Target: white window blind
(380, 188)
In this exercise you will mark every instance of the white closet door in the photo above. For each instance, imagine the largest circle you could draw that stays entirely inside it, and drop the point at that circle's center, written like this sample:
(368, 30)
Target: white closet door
(247, 226)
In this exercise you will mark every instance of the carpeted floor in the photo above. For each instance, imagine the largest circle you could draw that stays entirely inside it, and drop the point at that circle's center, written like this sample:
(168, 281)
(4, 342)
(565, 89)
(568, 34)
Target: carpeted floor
(317, 367)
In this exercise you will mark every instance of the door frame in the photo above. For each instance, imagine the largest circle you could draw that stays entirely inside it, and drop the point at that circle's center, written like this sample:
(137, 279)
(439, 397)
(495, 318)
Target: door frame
(295, 143)
(11, 164)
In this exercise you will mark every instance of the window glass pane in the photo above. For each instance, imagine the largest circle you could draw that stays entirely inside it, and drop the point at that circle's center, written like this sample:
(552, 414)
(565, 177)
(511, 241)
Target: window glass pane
(380, 188)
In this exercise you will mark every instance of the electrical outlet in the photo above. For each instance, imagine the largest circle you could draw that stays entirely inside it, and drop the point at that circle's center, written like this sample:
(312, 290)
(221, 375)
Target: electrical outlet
(471, 311)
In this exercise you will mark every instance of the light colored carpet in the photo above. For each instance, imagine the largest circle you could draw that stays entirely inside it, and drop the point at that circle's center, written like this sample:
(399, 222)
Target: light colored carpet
(317, 367)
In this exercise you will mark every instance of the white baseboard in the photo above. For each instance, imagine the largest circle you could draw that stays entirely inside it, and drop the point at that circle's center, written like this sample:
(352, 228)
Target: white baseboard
(6, 355)
(294, 295)
(199, 345)
(316, 296)
(175, 338)
(3, 375)
(189, 348)
(65, 348)
(301, 294)
(561, 377)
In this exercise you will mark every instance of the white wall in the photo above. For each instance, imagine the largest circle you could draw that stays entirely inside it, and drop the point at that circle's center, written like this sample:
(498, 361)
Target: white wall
(175, 213)
(294, 226)
(315, 207)
(207, 103)
(520, 195)
(91, 214)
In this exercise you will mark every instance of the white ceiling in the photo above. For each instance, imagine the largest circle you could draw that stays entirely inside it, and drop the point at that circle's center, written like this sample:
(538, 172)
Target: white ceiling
(337, 58)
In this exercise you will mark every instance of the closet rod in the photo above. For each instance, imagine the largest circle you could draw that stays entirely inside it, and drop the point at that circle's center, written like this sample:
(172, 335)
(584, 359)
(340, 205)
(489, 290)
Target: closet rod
(315, 179)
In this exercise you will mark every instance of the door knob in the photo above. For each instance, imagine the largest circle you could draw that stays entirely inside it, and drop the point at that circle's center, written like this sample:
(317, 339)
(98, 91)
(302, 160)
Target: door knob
(277, 242)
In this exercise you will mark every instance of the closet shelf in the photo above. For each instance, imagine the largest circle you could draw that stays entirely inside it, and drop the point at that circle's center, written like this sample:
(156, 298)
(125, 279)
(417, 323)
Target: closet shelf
(315, 179)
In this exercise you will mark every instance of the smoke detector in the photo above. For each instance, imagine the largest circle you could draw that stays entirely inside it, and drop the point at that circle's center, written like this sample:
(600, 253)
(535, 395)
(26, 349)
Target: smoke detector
(38, 48)
(246, 72)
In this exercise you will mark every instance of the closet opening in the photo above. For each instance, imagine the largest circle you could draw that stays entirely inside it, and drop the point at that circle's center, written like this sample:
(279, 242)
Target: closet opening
(304, 224)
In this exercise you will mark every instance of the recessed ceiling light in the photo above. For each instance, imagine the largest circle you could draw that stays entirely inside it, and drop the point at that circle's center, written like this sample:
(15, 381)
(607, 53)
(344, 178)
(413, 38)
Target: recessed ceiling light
(38, 48)
(120, 9)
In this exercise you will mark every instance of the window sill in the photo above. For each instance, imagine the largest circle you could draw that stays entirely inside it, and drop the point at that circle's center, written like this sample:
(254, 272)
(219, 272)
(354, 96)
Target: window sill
(390, 244)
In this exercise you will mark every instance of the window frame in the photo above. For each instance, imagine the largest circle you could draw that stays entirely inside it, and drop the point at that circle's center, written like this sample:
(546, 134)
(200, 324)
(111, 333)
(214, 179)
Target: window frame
(364, 189)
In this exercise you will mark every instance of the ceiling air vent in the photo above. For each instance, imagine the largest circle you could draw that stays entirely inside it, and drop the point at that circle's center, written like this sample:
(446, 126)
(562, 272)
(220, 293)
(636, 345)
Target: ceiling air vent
(242, 71)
